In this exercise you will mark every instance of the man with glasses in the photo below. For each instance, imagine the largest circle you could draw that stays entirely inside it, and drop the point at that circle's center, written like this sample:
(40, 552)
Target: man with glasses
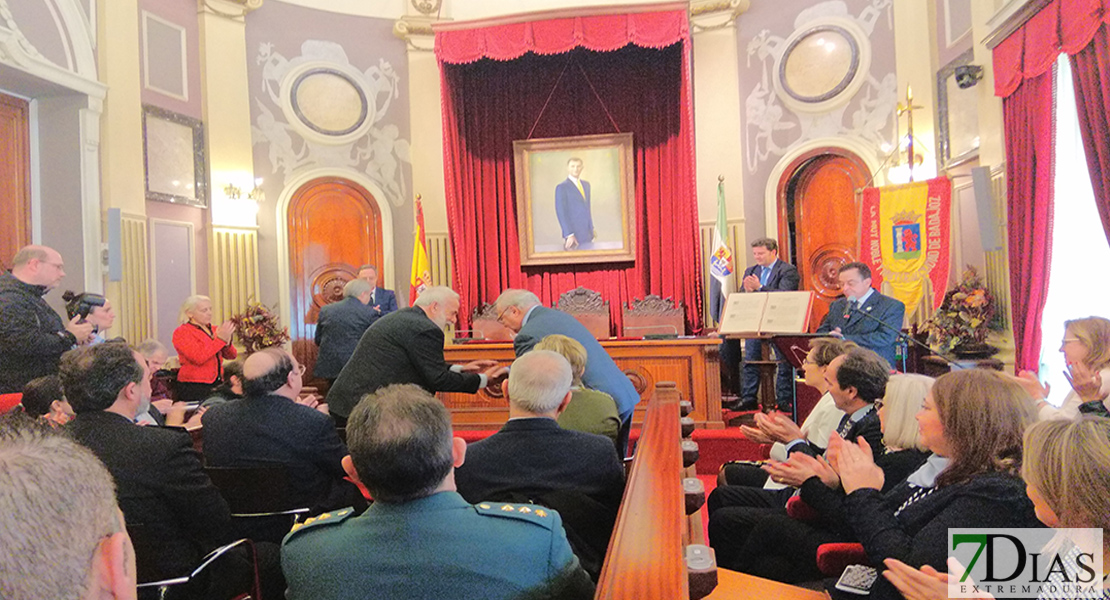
(863, 315)
(32, 335)
(271, 426)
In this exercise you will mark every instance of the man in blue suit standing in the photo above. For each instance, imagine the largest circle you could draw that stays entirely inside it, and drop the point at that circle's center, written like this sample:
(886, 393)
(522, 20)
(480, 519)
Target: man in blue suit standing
(572, 206)
(340, 327)
(382, 301)
(863, 315)
(521, 311)
(768, 274)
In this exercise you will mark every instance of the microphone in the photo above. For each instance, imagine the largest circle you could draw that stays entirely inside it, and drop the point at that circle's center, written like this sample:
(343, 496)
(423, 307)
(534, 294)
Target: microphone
(852, 301)
(955, 366)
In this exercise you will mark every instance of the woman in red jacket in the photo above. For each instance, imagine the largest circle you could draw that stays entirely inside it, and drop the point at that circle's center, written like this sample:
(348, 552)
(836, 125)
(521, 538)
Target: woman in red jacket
(199, 349)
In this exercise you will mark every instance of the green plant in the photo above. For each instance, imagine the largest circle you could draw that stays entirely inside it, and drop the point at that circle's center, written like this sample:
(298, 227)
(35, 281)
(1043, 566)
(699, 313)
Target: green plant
(965, 317)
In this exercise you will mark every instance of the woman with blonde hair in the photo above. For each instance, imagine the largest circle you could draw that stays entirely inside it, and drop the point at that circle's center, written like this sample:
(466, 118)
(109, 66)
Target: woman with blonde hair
(1086, 349)
(200, 349)
(591, 411)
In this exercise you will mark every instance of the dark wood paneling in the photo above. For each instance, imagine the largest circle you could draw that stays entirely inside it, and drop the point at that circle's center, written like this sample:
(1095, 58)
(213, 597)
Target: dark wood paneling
(15, 178)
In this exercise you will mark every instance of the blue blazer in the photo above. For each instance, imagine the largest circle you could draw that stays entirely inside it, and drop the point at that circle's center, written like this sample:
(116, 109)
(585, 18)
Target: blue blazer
(602, 373)
(385, 300)
(573, 210)
(784, 277)
(866, 332)
(338, 330)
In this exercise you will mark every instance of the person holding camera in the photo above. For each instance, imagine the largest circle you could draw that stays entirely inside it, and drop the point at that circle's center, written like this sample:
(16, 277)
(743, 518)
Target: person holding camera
(93, 309)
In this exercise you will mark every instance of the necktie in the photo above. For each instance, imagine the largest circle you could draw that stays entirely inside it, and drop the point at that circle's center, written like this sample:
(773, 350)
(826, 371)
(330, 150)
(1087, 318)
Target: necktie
(845, 425)
(578, 184)
(764, 276)
(852, 305)
(372, 297)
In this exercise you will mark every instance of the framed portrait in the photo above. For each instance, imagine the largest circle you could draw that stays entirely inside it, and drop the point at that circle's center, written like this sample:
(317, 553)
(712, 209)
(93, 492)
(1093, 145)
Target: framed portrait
(574, 199)
(957, 115)
(173, 157)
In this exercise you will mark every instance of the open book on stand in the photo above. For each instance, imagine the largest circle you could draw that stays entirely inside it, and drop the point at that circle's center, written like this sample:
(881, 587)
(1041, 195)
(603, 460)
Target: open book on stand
(766, 313)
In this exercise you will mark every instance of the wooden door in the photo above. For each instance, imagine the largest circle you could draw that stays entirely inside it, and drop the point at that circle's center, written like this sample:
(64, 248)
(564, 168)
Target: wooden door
(335, 226)
(819, 208)
(15, 178)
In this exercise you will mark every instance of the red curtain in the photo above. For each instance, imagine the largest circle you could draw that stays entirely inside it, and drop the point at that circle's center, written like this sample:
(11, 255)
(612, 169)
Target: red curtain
(1091, 74)
(487, 104)
(1030, 146)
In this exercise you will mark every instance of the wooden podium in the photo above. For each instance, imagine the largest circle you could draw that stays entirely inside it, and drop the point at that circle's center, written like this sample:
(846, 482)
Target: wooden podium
(691, 363)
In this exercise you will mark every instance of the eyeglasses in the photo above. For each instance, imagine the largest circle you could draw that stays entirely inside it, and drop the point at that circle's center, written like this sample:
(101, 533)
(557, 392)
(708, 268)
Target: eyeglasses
(501, 315)
(1068, 340)
(878, 404)
(809, 362)
(300, 369)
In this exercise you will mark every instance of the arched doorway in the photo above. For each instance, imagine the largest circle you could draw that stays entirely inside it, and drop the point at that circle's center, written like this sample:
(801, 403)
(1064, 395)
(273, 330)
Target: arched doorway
(334, 225)
(818, 219)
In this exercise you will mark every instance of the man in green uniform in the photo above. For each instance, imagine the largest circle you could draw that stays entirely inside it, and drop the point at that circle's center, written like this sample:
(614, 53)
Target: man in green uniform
(420, 539)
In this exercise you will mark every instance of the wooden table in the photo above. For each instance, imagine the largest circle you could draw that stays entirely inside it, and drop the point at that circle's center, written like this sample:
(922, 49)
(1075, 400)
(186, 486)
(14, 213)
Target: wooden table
(691, 363)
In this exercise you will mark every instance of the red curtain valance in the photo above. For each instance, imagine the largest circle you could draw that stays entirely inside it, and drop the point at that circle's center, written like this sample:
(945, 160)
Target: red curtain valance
(555, 36)
(1061, 26)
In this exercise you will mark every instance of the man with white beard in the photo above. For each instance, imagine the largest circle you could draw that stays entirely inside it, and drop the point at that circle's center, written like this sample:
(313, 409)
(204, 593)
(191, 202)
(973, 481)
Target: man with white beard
(407, 347)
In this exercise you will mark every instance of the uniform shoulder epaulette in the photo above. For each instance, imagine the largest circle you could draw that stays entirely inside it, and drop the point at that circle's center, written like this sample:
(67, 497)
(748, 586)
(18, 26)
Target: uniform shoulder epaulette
(329, 518)
(533, 513)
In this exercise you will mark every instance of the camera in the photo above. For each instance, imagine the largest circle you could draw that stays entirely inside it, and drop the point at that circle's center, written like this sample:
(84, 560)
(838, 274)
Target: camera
(968, 75)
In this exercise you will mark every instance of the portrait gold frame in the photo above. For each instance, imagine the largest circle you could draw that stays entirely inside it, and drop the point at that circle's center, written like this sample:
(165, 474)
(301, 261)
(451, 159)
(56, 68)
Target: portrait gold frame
(538, 162)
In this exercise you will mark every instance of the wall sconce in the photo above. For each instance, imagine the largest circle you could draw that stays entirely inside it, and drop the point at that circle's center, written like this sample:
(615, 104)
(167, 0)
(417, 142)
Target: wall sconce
(232, 192)
(257, 194)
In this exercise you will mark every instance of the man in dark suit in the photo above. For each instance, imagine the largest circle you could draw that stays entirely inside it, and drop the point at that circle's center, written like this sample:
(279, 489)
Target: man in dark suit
(340, 326)
(768, 274)
(531, 454)
(382, 301)
(268, 426)
(856, 380)
(572, 207)
(521, 312)
(407, 347)
(420, 539)
(159, 479)
(863, 315)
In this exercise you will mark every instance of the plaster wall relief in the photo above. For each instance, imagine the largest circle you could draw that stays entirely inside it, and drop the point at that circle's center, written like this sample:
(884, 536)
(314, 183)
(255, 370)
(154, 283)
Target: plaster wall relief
(320, 110)
(51, 35)
(818, 82)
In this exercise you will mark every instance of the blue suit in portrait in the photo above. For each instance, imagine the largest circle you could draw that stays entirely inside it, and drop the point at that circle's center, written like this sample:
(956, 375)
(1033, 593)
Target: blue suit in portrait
(573, 210)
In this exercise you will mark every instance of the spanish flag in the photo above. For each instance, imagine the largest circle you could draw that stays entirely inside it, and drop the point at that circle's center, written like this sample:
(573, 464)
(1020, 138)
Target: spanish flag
(421, 272)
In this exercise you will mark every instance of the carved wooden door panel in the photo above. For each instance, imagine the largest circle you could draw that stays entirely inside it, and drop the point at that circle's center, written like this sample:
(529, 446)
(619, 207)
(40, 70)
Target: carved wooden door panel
(15, 182)
(335, 226)
(826, 212)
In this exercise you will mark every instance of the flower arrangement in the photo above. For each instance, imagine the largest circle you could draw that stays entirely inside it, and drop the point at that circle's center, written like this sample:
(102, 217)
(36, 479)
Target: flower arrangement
(258, 327)
(965, 317)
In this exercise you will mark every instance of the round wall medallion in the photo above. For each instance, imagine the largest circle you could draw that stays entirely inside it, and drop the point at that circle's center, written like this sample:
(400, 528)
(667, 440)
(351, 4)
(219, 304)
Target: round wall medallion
(328, 101)
(822, 66)
(327, 285)
(825, 265)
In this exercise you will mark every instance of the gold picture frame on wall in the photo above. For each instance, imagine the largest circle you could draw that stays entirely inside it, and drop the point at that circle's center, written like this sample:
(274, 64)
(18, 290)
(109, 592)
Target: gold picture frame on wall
(564, 221)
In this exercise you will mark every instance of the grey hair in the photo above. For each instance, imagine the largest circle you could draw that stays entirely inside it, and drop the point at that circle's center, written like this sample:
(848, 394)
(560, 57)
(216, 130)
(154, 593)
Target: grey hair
(522, 299)
(355, 288)
(57, 501)
(437, 294)
(539, 380)
(150, 346)
(189, 305)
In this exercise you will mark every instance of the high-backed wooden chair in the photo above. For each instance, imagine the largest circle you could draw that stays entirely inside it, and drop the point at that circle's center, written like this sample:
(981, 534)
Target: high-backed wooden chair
(653, 316)
(589, 308)
(485, 325)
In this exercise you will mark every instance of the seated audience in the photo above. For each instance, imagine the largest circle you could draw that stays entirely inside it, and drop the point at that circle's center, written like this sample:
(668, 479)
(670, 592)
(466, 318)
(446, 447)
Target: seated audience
(773, 545)
(269, 427)
(1086, 348)
(159, 479)
(156, 356)
(420, 538)
(590, 411)
(1056, 455)
(232, 387)
(43, 398)
(72, 549)
(201, 348)
(778, 429)
(93, 309)
(855, 380)
(973, 422)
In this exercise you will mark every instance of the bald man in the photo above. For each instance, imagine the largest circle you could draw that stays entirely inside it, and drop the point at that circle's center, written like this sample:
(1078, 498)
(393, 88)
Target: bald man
(32, 336)
(271, 426)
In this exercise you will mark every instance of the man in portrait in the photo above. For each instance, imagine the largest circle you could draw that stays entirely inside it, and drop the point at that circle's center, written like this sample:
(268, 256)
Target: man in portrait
(572, 206)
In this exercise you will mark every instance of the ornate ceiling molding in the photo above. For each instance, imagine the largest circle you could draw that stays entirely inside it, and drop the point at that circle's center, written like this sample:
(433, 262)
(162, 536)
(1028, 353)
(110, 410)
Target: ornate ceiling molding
(708, 15)
(416, 30)
(231, 9)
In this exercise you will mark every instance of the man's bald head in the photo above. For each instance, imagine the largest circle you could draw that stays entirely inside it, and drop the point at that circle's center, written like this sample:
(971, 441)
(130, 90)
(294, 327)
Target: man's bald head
(271, 371)
(38, 265)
